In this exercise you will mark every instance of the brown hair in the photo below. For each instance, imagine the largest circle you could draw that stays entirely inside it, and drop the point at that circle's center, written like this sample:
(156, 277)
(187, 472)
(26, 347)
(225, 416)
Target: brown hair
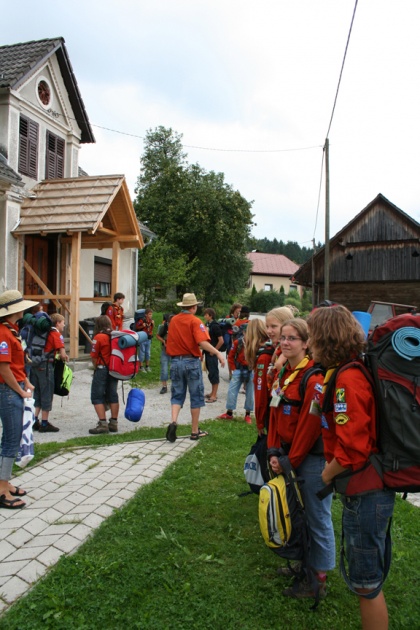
(102, 325)
(300, 325)
(234, 307)
(56, 317)
(255, 336)
(210, 311)
(335, 334)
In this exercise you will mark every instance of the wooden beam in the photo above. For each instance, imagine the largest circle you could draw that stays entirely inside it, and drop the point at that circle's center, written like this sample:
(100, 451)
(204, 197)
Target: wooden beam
(43, 286)
(105, 230)
(115, 267)
(75, 291)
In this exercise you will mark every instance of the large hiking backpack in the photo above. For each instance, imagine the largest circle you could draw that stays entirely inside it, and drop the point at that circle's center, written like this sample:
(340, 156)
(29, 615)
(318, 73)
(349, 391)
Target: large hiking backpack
(140, 314)
(34, 333)
(393, 357)
(226, 324)
(123, 362)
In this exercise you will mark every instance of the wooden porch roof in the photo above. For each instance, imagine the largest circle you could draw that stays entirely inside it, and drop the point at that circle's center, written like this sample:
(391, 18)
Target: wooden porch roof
(98, 207)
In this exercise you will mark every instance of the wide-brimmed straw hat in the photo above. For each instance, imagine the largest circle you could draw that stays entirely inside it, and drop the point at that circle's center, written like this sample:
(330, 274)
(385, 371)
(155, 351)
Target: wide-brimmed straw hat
(188, 299)
(13, 302)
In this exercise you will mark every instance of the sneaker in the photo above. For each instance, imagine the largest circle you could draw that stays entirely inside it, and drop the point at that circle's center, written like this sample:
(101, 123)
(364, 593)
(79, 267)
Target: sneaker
(290, 571)
(171, 432)
(113, 426)
(142, 369)
(36, 425)
(148, 369)
(225, 416)
(100, 428)
(302, 589)
(164, 390)
(248, 419)
(48, 428)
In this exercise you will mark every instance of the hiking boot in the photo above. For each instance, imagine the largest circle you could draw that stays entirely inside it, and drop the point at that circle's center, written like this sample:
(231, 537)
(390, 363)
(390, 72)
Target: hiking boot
(171, 432)
(48, 428)
(290, 571)
(302, 589)
(101, 427)
(36, 425)
(113, 426)
(248, 419)
(164, 390)
(225, 416)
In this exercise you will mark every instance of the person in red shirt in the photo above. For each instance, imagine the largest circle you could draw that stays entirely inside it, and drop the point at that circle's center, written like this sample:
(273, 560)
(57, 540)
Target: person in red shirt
(258, 353)
(187, 336)
(349, 432)
(14, 388)
(104, 388)
(146, 325)
(295, 427)
(115, 312)
(42, 375)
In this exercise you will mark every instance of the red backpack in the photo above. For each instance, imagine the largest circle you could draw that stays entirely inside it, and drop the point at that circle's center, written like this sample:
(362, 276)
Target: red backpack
(123, 363)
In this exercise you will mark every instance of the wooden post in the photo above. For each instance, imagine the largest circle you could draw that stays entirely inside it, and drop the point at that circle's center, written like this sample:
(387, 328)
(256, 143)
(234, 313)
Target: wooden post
(327, 222)
(76, 242)
(115, 267)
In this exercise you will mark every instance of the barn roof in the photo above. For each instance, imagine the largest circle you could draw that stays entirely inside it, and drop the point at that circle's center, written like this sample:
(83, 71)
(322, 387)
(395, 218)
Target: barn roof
(271, 264)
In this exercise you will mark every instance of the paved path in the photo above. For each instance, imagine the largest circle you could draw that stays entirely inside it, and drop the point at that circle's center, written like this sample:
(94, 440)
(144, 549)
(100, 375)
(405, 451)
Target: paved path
(69, 495)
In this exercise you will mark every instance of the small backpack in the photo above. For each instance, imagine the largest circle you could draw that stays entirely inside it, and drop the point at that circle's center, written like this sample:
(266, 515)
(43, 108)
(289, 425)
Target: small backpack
(255, 466)
(34, 334)
(226, 324)
(63, 377)
(140, 314)
(104, 307)
(223, 346)
(123, 362)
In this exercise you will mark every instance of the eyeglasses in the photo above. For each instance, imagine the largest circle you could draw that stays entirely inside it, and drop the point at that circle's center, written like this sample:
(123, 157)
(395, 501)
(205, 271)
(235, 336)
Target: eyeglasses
(291, 339)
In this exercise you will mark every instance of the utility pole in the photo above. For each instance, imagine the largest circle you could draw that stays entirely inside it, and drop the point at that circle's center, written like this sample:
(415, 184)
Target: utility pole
(327, 222)
(314, 301)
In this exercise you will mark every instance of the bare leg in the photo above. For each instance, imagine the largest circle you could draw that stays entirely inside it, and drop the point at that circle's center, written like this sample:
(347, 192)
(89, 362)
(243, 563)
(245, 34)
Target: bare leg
(175, 409)
(115, 407)
(195, 415)
(373, 612)
(100, 411)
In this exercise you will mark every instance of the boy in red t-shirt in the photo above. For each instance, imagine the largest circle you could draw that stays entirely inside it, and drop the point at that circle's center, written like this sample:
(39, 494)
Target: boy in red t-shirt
(145, 325)
(115, 312)
(104, 386)
(42, 375)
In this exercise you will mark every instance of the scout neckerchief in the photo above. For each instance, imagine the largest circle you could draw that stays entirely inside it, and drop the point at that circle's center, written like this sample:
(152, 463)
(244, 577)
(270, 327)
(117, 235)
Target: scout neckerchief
(276, 393)
(328, 375)
(13, 330)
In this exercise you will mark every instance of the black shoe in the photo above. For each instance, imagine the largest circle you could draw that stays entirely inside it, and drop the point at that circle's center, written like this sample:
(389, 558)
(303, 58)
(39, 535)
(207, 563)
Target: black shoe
(163, 390)
(171, 432)
(35, 426)
(48, 428)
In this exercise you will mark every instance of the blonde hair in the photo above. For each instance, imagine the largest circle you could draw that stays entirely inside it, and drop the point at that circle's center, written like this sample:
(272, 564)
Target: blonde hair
(255, 336)
(336, 335)
(282, 313)
(56, 318)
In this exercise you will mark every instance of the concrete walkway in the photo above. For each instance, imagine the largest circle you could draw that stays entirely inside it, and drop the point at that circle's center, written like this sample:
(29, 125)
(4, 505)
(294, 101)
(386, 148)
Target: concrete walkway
(69, 495)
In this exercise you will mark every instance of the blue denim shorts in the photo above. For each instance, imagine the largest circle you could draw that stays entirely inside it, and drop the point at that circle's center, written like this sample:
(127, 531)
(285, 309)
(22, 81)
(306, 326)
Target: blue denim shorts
(365, 521)
(186, 374)
(104, 387)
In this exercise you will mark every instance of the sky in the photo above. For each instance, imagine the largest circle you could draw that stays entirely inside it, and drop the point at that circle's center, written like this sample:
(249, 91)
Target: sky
(251, 87)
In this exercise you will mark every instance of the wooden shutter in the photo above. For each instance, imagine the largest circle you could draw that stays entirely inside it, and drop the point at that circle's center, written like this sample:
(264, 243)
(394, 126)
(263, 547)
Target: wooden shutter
(28, 147)
(54, 167)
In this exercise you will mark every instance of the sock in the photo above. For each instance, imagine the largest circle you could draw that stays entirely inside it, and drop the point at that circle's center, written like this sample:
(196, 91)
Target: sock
(44, 423)
(247, 413)
(113, 419)
(229, 412)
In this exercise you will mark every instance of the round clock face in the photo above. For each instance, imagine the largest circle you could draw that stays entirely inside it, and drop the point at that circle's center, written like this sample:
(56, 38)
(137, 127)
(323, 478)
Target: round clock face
(44, 92)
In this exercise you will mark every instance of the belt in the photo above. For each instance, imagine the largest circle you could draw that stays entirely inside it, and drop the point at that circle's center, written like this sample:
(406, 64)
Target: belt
(101, 367)
(184, 356)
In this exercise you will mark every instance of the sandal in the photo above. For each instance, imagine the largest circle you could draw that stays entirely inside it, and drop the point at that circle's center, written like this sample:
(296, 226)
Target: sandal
(211, 400)
(207, 396)
(197, 436)
(10, 504)
(18, 492)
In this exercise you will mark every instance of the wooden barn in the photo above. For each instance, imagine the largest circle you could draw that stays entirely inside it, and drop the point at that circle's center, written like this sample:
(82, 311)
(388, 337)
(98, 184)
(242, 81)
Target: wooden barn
(374, 257)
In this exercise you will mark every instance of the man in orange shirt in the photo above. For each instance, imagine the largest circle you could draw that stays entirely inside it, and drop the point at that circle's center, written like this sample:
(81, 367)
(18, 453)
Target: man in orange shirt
(187, 336)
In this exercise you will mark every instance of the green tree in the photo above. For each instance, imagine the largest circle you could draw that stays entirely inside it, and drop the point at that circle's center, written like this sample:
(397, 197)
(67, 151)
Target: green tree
(198, 213)
(161, 267)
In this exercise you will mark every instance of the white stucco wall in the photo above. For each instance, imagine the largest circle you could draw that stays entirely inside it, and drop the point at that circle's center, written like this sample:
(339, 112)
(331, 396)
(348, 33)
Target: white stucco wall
(276, 281)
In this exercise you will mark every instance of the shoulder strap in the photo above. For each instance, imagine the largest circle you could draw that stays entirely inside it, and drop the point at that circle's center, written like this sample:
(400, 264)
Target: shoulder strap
(327, 404)
(314, 369)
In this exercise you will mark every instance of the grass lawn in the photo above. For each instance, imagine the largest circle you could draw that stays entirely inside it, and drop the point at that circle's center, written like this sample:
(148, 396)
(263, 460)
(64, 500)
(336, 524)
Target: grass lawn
(186, 553)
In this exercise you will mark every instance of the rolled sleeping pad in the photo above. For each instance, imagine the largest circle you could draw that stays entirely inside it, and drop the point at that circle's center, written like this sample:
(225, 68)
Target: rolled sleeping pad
(363, 319)
(406, 342)
(135, 404)
(127, 340)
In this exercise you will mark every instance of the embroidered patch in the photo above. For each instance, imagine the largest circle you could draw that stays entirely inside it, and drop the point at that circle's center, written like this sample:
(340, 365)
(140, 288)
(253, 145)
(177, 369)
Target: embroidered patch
(287, 410)
(4, 348)
(202, 327)
(340, 395)
(318, 387)
(315, 408)
(340, 407)
(324, 423)
(260, 366)
(342, 418)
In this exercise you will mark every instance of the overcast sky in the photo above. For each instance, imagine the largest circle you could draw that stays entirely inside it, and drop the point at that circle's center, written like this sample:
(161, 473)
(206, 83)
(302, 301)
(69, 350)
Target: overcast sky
(253, 83)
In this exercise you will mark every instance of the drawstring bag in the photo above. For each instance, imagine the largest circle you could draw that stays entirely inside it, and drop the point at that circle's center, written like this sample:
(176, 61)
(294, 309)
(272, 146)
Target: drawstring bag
(26, 448)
